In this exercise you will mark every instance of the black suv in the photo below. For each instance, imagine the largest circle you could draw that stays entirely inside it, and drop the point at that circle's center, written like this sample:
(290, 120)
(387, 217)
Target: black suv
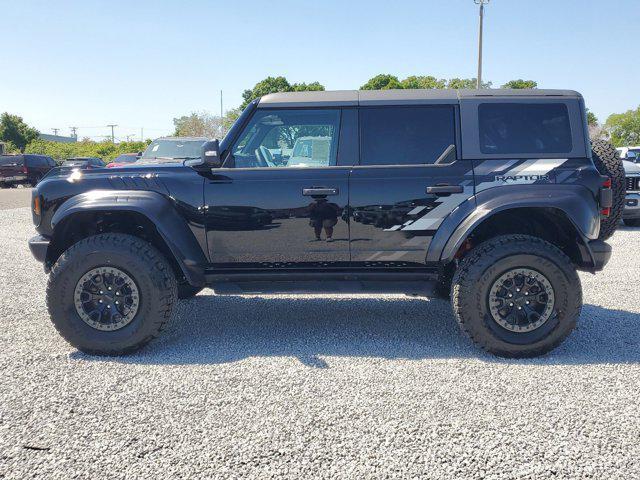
(490, 197)
(24, 169)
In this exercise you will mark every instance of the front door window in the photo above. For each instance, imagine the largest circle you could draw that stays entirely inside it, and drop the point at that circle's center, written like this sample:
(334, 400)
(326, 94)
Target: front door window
(288, 139)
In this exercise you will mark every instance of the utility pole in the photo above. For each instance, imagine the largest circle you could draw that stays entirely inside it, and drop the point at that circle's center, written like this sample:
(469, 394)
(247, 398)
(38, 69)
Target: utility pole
(142, 134)
(482, 3)
(221, 115)
(73, 131)
(55, 131)
(113, 138)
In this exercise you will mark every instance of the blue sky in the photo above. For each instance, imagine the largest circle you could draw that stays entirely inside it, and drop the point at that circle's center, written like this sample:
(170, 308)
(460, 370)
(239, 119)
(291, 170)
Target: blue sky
(141, 63)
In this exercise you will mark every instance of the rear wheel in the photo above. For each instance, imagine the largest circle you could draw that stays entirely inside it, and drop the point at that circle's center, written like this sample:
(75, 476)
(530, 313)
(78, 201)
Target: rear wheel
(110, 294)
(516, 296)
(607, 161)
(632, 222)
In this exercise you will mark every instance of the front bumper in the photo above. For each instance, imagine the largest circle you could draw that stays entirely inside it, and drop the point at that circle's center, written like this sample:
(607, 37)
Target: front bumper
(600, 254)
(14, 179)
(631, 206)
(38, 246)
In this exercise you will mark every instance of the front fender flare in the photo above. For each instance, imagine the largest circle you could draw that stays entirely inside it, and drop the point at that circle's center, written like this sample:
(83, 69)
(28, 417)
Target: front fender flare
(170, 224)
(575, 201)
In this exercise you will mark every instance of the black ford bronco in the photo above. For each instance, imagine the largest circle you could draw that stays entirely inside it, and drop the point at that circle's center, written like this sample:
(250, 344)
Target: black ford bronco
(491, 197)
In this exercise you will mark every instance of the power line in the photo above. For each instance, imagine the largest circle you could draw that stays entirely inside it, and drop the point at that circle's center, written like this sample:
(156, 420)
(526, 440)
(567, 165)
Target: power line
(112, 135)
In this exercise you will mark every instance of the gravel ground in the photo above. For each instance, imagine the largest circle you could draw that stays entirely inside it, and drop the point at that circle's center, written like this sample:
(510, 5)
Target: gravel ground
(318, 386)
(15, 197)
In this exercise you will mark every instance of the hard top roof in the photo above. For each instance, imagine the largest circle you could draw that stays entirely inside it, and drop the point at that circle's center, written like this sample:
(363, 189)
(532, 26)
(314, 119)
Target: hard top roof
(397, 97)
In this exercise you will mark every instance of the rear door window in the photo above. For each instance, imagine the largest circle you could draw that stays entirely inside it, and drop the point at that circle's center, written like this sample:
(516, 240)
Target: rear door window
(524, 128)
(405, 135)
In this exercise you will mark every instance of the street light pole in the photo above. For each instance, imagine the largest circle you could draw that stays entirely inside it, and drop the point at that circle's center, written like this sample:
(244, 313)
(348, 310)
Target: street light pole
(482, 3)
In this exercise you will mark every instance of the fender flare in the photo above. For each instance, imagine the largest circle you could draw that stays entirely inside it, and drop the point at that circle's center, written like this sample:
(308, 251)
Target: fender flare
(158, 209)
(576, 202)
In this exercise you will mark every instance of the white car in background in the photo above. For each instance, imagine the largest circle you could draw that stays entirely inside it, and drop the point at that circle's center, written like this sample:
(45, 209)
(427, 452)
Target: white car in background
(631, 212)
(631, 154)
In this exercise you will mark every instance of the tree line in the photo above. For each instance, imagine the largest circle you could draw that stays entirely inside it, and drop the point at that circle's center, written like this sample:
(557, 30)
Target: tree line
(620, 128)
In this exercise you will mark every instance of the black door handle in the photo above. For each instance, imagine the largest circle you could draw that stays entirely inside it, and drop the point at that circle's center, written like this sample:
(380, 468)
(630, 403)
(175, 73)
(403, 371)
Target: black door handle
(308, 192)
(445, 189)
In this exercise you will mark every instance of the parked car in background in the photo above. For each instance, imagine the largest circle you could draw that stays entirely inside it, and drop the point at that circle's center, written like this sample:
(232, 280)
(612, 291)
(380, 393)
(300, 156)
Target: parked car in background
(83, 163)
(124, 159)
(24, 169)
(172, 149)
(631, 154)
(631, 213)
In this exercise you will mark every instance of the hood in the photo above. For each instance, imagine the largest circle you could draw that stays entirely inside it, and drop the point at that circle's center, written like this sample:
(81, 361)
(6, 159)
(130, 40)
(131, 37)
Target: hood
(631, 168)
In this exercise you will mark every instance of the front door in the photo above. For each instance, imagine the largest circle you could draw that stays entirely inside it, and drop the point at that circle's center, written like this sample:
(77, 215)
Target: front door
(280, 200)
(408, 181)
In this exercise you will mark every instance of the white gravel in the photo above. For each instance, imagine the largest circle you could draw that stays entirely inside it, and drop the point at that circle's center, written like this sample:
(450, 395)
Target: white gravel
(318, 387)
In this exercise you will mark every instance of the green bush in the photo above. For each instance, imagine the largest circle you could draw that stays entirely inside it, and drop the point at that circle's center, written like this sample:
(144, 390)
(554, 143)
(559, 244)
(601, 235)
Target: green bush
(105, 150)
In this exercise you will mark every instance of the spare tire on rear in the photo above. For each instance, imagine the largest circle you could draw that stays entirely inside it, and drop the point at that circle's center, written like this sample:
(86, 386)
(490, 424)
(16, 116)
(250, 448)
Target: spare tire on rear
(608, 163)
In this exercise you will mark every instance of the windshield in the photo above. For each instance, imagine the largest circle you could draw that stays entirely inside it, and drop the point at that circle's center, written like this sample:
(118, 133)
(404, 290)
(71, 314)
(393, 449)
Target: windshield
(125, 159)
(169, 149)
(11, 160)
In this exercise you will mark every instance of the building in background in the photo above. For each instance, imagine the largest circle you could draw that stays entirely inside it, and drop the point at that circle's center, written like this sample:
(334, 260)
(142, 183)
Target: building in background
(57, 138)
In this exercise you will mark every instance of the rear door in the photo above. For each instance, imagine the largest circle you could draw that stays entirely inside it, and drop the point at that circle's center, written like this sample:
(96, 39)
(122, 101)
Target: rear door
(408, 181)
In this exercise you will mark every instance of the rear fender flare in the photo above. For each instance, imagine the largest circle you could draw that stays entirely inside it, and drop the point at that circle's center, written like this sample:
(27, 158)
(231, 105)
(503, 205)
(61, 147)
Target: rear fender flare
(576, 202)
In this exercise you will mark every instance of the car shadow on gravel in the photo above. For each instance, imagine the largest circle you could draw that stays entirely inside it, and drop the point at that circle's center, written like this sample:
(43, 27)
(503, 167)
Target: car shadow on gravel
(212, 329)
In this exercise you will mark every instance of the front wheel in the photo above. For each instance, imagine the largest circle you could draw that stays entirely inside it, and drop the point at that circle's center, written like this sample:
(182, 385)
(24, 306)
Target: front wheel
(516, 296)
(111, 294)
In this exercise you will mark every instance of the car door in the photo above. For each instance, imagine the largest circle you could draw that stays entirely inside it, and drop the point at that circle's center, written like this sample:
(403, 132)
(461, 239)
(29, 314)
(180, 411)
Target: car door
(408, 181)
(280, 199)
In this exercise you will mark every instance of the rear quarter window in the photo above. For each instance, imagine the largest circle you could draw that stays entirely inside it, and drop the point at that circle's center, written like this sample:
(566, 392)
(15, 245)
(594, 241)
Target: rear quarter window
(524, 128)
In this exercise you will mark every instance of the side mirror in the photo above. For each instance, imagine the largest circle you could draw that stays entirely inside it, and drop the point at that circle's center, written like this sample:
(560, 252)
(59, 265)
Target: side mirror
(210, 155)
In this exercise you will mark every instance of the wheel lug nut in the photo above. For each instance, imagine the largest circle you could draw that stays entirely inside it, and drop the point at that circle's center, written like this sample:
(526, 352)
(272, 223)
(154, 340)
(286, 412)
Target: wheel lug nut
(510, 295)
(527, 302)
(511, 304)
(519, 308)
(109, 288)
(526, 293)
(101, 292)
(100, 301)
(517, 289)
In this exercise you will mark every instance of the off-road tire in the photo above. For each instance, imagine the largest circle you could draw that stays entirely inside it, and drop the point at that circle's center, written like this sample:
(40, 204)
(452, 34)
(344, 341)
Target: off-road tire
(186, 290)
(487, 262)
(142, 262)
(632, 222)
(607, 160)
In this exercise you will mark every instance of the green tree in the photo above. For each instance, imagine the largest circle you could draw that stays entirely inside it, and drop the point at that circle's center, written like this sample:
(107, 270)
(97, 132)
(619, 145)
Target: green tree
(13, 129)
(307, 87)
(592, 120)
(469, 83)
(624, 128)
(199, 124)
(274, 85)
(519, 83)
(425, 81)
(85, 148)
(382, 82)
